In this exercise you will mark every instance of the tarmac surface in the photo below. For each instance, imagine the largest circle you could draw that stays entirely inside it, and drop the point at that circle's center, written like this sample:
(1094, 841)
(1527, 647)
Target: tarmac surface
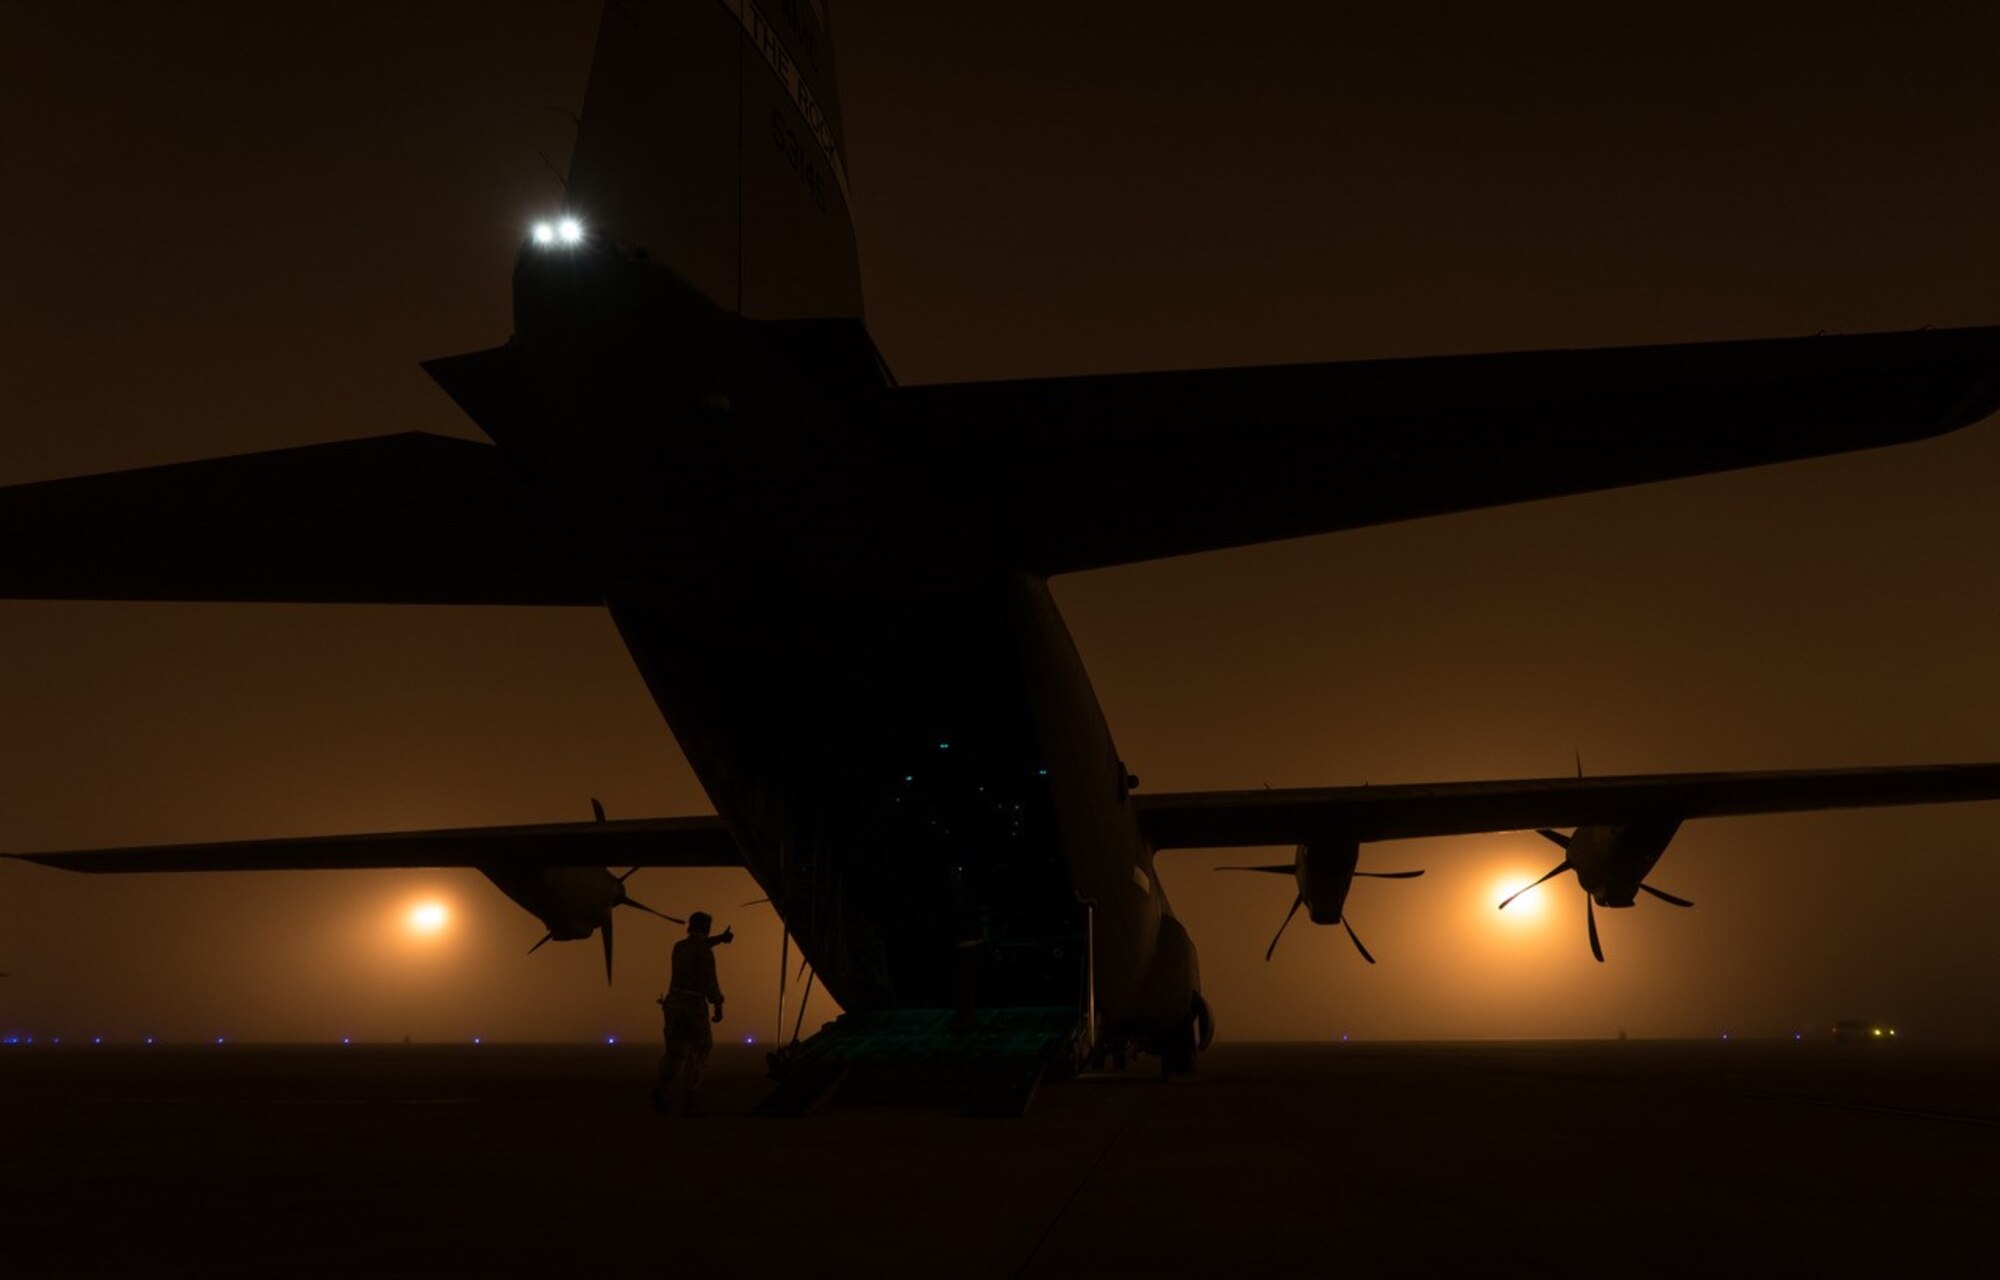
(1375, 1159)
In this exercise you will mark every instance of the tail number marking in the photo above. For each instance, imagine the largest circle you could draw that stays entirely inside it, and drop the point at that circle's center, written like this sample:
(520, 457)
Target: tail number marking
(765, 36)
(793, 149)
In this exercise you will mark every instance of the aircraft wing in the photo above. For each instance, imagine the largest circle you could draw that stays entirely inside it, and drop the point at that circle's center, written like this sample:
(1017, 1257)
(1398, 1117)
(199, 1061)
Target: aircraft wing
(1077, 473)
(400, 519)
(625, 842)
(1232, 819)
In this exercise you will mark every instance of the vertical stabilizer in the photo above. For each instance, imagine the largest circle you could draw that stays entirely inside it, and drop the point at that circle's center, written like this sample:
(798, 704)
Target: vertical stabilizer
(711, 139)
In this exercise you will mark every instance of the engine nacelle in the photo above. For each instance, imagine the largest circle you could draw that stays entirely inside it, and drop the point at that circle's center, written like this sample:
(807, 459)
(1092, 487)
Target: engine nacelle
(571, 902)
(1610, 861)
(1325, 872)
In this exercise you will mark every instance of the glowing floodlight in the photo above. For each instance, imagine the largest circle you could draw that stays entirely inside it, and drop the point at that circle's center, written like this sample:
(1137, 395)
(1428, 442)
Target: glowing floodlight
(542, 233)
(428, 918)
(569, 231)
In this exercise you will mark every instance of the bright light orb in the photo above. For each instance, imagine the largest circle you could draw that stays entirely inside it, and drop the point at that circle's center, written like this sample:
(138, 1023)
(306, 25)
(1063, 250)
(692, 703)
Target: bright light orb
(1525, 909)
(428, 918)
(542, 233)
(569, 231)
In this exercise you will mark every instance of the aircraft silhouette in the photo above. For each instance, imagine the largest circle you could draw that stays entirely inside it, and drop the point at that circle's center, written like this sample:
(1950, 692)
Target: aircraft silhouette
(836, 587)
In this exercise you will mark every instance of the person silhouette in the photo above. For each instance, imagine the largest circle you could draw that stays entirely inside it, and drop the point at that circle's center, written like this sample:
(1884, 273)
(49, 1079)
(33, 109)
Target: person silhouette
(691, 989)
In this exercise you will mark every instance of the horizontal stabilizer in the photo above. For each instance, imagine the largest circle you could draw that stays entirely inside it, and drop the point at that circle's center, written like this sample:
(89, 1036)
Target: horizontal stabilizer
(402, 519)
(1241, 819)
(1078, 473)
(628, 842)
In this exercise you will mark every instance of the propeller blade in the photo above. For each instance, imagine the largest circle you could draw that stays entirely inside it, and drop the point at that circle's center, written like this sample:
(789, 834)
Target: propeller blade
(803, 962)
(1557, 838)
(1296, 904)
(624, 901)
(597, 807)
(1664, 896)
(1390, 875)
(756, 902)
(1284, 870)
(1356, 941)
(606, 927)
(1590, 918)
(538, 946)
(1560, 867)
(628, 875)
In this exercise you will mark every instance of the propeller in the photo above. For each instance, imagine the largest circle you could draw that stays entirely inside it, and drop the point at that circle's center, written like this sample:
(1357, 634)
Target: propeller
(620, 899)
(626, 900)
(1664, 896)
(1286, 869)
(1356, 940)
(1557, 870)
(1278, 869)
(1296, 904)
(1562, 841)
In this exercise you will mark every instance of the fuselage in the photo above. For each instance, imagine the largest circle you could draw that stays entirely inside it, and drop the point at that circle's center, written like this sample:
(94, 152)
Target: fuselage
(894, 723)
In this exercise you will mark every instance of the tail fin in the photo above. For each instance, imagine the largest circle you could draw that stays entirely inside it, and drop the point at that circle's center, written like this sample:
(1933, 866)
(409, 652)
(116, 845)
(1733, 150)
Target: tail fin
(711, 139)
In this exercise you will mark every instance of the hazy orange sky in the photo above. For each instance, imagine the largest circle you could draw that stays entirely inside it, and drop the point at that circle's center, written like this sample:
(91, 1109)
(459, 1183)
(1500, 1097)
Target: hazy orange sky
(240, 226)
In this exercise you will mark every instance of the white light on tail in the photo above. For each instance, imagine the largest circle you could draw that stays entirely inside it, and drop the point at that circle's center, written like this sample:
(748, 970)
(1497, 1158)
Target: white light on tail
(565, 231)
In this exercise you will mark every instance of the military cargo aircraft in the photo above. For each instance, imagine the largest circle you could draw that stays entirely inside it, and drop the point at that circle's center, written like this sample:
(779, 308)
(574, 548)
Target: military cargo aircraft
(836, 587)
